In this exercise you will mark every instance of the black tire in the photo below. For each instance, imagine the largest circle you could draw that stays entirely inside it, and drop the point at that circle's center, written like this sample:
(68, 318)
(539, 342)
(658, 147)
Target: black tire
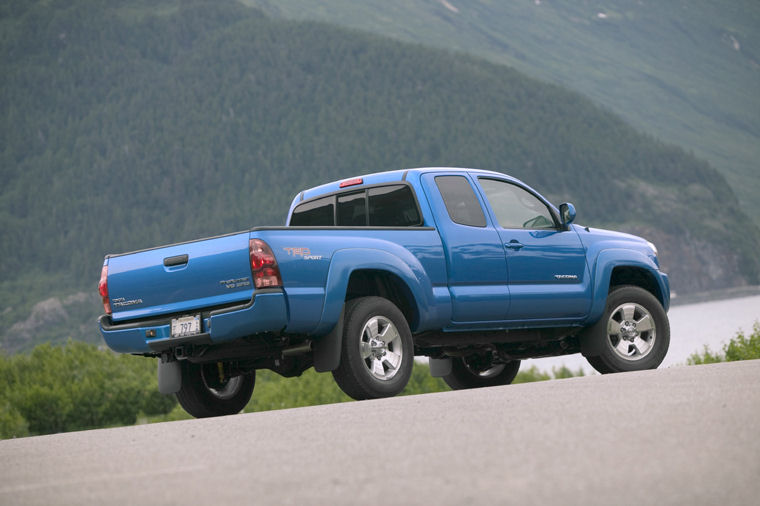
(203, 395)
(373, 369)
(632, 335)
(468, 373)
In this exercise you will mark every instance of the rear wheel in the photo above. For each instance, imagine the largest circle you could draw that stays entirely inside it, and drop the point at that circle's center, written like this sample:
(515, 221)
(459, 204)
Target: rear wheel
(206, 391)
(477, 371)
(377, 350)
(634, 332)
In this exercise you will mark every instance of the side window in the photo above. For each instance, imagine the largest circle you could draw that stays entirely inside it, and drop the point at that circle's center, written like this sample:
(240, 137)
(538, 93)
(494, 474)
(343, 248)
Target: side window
(392, 206)
(318, 213)
(352, 210)
(516, 207)
(460, 200)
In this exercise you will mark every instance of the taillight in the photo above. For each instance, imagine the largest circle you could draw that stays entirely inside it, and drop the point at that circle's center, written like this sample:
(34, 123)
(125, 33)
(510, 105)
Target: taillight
(103, 289)
(266, 273)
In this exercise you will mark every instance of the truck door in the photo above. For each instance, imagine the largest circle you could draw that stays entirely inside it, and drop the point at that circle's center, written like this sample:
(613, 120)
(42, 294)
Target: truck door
(477, 274)
(546, 265)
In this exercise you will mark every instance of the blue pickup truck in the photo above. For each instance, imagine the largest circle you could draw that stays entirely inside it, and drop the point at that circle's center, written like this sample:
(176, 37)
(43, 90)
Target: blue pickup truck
(473, 269)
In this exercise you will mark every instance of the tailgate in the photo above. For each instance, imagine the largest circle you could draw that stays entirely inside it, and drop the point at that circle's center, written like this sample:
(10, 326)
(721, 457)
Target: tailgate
(180, 278)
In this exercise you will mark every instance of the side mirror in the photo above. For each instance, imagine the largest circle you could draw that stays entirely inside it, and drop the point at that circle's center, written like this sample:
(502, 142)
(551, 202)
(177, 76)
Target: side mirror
(567, 214)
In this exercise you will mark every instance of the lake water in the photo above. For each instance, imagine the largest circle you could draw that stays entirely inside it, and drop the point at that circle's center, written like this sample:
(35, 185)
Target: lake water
(692, 326)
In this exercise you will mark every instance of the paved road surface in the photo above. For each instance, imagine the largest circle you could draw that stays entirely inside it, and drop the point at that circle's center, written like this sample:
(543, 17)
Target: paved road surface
(686, 435)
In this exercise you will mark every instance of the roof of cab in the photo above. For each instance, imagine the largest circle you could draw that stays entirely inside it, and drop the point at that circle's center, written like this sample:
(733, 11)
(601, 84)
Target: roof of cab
(387, 177)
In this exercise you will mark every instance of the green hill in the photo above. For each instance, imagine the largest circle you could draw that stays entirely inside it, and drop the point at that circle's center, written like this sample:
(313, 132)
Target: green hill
(685, 71)
(153, 122)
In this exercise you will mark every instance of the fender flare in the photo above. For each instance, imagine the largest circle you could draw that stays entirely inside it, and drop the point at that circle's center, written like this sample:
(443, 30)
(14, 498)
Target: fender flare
(344, 262)
(606, 261)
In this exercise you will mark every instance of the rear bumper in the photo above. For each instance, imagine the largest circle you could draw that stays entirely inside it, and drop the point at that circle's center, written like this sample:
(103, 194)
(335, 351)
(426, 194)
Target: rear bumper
(266, 312)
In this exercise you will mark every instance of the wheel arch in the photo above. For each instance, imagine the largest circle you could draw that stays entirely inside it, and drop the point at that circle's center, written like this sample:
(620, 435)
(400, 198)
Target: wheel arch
(636, 276)
(617, 267)
(374, 272)
(364, 272)
(385, 284)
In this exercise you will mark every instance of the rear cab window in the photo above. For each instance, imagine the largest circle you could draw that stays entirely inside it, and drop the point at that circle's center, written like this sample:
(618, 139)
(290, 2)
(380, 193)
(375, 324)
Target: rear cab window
(386, 205)
(393, 206)
(352, 210)
(316, 213)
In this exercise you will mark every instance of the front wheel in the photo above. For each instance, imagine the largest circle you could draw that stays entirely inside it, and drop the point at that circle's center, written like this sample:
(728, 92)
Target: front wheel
(634, 332)
(206, 391)
(377, 351)
(474, 372)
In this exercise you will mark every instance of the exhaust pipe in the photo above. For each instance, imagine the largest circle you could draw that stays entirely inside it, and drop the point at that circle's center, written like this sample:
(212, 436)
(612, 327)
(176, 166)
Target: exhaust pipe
(298, 349)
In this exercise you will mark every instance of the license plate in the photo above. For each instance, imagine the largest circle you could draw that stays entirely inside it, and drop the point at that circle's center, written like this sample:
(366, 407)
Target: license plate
(186, 326)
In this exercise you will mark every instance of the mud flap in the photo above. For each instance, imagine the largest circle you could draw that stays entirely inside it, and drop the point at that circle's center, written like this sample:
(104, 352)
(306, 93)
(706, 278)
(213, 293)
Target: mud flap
(439, 367)
(591, 343)
(169, 376)
(327, 348)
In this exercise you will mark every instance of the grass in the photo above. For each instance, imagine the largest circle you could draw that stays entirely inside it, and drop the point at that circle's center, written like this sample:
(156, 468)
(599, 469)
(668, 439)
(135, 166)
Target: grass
(740, 347)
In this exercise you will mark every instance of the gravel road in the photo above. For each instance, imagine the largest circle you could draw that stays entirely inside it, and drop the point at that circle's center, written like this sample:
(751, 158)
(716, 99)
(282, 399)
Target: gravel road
(684, 435)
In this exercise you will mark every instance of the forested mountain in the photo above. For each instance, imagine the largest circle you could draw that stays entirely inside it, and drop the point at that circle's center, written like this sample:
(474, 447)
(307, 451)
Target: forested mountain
(687, 71)
(133, 125)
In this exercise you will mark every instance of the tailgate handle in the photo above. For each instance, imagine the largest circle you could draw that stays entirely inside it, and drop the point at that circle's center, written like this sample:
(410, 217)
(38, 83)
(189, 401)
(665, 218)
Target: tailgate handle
(177, 260)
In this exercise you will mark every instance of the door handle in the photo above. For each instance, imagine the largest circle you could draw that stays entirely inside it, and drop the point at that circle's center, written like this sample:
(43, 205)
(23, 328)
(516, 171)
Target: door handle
(513, 244)
(174, 261)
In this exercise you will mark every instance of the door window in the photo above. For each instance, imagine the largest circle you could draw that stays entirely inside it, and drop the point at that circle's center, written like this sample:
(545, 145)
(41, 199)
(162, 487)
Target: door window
(515, 207)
